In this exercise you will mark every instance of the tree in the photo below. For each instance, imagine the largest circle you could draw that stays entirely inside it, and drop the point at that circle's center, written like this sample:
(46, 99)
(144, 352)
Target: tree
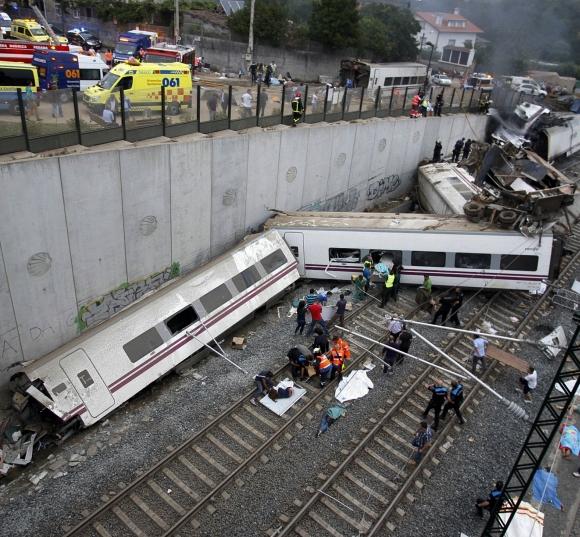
(270, 21)
(334, 23)
(388, 32)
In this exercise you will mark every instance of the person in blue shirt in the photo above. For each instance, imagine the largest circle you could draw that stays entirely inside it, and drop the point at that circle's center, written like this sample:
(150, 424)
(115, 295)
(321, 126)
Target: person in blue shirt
(493, 501)
(454, 400)
(438, 397)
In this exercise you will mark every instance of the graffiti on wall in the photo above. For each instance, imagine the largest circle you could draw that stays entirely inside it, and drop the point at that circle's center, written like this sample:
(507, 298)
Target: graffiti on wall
(103, 307)
(345, 201)
(379, 186)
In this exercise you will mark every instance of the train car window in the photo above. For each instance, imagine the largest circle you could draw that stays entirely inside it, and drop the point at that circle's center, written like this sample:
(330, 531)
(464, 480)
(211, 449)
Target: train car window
(142, 345)
(59, 388)
(246, 278)
(344, 255)
(428, 259)
(274, 261)
(472, 261)
(85, 378)
(181, 320)
(295, 251)
(528, 263)
(216, 298)
(396, 256)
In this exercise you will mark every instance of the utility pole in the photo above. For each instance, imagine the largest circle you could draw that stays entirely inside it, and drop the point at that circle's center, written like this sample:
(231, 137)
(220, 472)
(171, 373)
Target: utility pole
(250, 51)
(176, 23)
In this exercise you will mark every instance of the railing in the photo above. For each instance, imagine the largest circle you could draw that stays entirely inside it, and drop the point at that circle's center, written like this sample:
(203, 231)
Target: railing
(59, 118)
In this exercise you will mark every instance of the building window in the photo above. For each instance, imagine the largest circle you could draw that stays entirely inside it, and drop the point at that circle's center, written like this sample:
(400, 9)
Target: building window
(451, 43)
(464, 58)
(274, 261)
(446, 56)
(248, 277)
(216, 298)
(85, 378)
(428, 259)
(454, 56)
(181, 320)
(468, 43)
(142, 345)
(528, 263)
(344, 255)
(472, 261)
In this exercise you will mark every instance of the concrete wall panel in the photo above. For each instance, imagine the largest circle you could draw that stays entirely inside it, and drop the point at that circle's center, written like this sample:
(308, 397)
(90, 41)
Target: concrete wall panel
(94, 205)
(190, 165)
(384, 132)
(343, 138)
(292, 168)
(317, 165)
(36, 255)
(146, 210)
(263, 151)
(228, 194)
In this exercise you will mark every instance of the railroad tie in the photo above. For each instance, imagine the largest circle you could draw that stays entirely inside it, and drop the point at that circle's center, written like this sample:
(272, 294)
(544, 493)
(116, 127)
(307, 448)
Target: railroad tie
(249, 428)
(261, 418)
(301, 531)
(196, 471)
(325, 525)
(220, 468)
(127, 521)
(224, 449)
(180, 484)
(378, 476)
(238, 439)
(348, 496)
(352, 478)
(364, 526)
(140, 503)
(166, 498)
(101, 530)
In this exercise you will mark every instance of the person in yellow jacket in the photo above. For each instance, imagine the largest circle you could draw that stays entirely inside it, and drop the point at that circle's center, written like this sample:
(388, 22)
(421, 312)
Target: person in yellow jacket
(338, 354)
(324, 366)
(388, 288)
(297, 109)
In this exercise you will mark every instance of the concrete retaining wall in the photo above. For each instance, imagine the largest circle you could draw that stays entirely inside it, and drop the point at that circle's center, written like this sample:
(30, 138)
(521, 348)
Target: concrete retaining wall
(84, 235)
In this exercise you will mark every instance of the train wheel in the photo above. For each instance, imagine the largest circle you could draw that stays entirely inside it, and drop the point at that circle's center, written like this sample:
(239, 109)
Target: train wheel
(473, 210)
(507, 217)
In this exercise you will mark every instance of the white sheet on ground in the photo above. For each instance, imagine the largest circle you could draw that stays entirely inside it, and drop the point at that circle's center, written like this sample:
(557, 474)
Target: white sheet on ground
(528, 522)
(354, 386)
(557, 338)
(569, 384)
(280, 406)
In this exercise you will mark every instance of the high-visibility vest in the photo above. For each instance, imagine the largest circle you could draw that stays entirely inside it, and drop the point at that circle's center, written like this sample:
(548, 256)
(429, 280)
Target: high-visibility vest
(390, 281)
(324, 362)
(343, 348)
(336, 357)
(296, 105)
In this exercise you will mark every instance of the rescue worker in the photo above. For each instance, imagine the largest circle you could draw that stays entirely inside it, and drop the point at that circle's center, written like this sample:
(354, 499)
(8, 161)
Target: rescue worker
(390, 355)
(264, 381)
(367, 274)
(493, 502)
(456, 307)
(467, 148)
(438, 105)
(437, 151)
(359, 284)
(388, 289)
(438, 397)
(324, 366)
(484, 104)
(396, 270)
(405, 339)
(297, 109)
(298, 362)
(424, 106)
(339, 353)
(415, 102)
(454, 400)
(457, 150)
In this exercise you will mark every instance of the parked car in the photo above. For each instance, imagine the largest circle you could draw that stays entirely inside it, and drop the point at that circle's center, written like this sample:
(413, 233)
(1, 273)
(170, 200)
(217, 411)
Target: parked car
(441, 80)
(532, 89)
(83, 39)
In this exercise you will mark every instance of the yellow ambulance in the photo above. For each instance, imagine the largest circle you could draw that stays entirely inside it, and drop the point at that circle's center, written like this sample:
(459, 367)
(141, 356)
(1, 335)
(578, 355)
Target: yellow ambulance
(142, 84)
(30, 30)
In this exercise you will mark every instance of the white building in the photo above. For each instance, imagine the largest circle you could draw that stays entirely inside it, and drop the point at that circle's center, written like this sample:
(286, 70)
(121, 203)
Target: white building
(452, 34)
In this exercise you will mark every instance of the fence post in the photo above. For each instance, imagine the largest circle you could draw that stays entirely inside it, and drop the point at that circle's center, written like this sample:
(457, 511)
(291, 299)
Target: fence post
(325, 103)
(230, 92)
(378, 101)
(470, 99)
(282, 105)
(22, 111)
(461, 100)
(259, 86)
(77, 117)
(305, 102)
(391, 100)
(343, 103)
(405, 98)
(452, 97)
(362, 95)
(431, 93)
(123, 123)
(198, 106)
(163, 110)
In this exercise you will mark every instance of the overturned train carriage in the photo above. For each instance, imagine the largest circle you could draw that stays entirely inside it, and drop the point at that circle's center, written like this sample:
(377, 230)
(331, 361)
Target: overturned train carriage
(451, 249)
(95, 373)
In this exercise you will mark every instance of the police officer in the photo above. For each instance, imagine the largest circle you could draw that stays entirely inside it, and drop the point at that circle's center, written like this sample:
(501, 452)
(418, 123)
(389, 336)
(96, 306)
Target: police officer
(297, 109)
(439, 395)
(493, 502)
(454, 401)
(388, 289)
(324, 367)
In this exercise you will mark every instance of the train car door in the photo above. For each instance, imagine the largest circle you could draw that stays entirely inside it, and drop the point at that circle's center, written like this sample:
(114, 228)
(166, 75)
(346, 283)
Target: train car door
(87, 382)
(295, 242)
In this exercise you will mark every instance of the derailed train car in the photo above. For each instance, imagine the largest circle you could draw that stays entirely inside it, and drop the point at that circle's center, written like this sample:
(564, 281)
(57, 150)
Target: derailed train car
(451, 249)
(92, 375)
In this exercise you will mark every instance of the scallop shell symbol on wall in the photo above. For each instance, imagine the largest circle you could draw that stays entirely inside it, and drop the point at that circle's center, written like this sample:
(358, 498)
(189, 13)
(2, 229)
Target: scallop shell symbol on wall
(382, 144)
(148, 225)
(291, 174)
(416, 136)
(340, 159)
(230, 196)
(39, 264)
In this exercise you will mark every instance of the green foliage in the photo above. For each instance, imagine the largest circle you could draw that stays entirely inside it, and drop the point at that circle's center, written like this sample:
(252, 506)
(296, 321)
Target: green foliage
(270, 21)
(334, 23)
(174, 269)
(388, 33)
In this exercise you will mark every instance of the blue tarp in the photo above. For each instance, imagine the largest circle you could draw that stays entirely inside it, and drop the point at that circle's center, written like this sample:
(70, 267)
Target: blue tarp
(575, 106)
(545, 488)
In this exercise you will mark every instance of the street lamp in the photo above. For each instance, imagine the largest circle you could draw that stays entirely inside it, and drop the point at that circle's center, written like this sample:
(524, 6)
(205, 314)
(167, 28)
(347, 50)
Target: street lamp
(429, 44)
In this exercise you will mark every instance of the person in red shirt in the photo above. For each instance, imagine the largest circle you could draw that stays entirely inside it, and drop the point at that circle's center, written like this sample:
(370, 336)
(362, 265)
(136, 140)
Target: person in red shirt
(315, 310)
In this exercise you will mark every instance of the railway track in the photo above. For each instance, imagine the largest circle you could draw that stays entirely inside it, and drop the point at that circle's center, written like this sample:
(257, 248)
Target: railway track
(169, 495)
(370, 488)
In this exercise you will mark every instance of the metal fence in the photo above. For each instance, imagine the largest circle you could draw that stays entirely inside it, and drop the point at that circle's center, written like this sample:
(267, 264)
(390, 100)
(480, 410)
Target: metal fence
(49, 120)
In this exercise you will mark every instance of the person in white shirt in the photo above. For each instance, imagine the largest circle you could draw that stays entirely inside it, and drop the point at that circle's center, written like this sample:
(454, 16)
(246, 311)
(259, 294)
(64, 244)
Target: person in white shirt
(108, 116)
(479, 350)
(247, 104)
(529, 383)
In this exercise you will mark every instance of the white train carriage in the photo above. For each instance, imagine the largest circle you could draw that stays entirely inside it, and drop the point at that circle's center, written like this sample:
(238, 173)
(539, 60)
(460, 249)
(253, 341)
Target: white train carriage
(95, 373)
(452, 250)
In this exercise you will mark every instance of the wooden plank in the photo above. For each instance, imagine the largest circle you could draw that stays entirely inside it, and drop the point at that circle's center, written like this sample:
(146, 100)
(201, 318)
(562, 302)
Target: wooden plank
(236, 437)
(321, 522)
(149, 512)
(338, 511)
(180, 484)
(376, 475)
(352, 478)
(225, 449)
(211, 460)
(101, 530)
(128, 522)
(166, 498)
(248, 427)
(193, 469)
(507, 358)
(362, 506)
